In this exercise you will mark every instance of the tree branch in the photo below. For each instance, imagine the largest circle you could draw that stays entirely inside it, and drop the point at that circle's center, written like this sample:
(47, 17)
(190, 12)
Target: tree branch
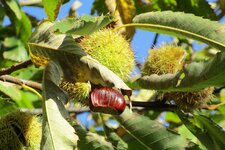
(153, 105)
(37, 111)
(15, 80)
(146, 105)
(15, 67)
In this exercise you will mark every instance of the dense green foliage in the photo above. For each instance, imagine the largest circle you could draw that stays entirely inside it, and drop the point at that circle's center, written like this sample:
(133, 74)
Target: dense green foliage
(36, 55)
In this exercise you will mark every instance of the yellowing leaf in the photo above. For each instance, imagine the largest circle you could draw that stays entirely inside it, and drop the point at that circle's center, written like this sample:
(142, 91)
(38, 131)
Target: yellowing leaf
(52, 8)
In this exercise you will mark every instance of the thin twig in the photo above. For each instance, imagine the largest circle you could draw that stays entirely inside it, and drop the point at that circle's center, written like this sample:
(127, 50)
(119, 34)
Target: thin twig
(15, 80)
(212, 107)
(138, 64)
(30, 2)
(153, 105)
(155, 40)
(32, 90)
(70, 110)
(15, 67)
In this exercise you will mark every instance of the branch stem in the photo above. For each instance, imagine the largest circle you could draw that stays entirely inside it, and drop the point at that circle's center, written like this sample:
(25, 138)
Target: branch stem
(30, 2)
(153, 105)
(15, 80)
(32, 90)
(70, 110)
(155, 40)
(15, 67)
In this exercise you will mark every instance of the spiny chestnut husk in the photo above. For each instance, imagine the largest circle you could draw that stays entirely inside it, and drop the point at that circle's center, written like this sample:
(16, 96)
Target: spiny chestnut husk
(166, 59)
(79, 91)
(112, 50)
(170, 59)
(20, 130)
(188, 101)
(107, 100)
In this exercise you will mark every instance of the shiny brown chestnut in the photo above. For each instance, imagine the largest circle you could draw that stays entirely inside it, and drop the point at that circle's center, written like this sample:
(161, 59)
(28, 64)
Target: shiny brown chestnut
(107, 100)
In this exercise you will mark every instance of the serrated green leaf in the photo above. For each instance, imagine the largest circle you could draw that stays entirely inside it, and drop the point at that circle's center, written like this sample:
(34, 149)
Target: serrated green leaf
(91, 141)
(14, 8)
(6, 107)
(25, 28)
(183, 131)
(29, 73)
(151, 134)
(78, 67)
(197, 7)
(52, 8)
(184, 25)
(207, 131)
(213, 129)
(133, 143)
(15, 93)
(19, 19)
(172, 117)
(57, 132)
(83, 26)
(10, 90)
(116, 141)
(196, 77)
(16, 50)
(25, 101)
(10, 42)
